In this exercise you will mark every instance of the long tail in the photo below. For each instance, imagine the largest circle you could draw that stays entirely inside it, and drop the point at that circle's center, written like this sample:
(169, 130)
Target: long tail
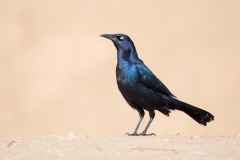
(199, 115)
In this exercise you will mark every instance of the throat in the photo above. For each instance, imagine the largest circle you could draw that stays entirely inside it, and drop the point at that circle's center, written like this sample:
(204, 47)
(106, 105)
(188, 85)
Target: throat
(128, 56)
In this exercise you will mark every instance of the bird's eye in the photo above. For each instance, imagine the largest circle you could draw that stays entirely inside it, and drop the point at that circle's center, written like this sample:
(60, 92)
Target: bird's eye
(121, 38)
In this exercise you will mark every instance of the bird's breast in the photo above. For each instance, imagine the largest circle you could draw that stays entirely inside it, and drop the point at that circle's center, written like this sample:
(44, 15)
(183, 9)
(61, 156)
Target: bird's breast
(128, 81)
(127, 75)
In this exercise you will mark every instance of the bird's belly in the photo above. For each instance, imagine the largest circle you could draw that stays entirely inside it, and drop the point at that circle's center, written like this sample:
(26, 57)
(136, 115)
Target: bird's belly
(141, 96)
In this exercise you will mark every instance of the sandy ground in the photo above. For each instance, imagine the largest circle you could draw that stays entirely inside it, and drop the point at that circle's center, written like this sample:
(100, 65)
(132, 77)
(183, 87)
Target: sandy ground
(74, 146)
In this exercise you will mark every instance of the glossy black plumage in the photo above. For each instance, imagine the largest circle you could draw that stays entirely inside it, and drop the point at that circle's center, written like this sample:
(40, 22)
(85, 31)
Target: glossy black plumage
(143, 90)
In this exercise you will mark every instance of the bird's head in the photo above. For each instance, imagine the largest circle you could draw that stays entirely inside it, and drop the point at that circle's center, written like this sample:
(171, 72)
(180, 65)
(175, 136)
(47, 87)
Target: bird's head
(121, 41)
(125, 47)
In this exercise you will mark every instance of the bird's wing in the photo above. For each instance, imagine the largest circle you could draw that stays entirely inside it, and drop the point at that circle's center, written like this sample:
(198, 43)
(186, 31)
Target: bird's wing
(149, 80)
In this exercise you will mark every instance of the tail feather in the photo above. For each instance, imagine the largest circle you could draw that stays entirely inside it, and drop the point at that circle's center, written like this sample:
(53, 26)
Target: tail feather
(199, 115)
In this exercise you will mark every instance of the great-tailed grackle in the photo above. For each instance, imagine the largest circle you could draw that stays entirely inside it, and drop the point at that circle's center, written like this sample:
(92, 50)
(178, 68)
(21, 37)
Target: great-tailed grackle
(143, 90)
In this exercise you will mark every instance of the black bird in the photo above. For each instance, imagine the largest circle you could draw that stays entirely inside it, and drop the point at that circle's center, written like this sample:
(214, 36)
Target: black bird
(143, 90)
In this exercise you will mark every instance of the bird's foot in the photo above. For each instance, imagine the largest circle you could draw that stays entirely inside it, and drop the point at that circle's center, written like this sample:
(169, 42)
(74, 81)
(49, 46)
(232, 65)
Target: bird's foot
(133, 134)
(150, 134)
(141, 134)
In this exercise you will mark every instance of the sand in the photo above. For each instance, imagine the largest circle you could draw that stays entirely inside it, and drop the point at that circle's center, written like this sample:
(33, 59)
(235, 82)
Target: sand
(158, 147)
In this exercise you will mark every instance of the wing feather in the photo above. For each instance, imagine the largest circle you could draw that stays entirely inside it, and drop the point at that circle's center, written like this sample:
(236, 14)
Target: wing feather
(149, 80)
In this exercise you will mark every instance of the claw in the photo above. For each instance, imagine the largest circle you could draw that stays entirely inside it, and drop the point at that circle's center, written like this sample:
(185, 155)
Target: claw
(151, 134)
(144, 134)
(134, 134)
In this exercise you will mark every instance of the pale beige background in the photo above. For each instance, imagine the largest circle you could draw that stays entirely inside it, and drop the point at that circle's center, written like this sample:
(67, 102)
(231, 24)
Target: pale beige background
(57, 75)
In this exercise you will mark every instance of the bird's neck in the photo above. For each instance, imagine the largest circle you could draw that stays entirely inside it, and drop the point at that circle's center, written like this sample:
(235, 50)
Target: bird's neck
(129, 56)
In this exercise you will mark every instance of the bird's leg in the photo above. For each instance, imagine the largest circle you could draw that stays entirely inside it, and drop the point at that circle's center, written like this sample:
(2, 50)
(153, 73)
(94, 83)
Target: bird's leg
(138, 124)
(141, 115)
(152, 115)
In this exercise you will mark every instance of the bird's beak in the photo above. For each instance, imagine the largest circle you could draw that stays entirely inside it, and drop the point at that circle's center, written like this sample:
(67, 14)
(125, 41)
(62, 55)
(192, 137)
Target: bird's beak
(109, 36)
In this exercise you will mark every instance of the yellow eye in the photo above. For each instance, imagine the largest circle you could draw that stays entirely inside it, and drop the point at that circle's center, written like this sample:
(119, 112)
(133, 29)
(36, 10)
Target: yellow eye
(121, 38)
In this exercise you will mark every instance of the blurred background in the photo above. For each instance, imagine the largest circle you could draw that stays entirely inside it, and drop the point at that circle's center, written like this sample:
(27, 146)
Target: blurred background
(57, 75)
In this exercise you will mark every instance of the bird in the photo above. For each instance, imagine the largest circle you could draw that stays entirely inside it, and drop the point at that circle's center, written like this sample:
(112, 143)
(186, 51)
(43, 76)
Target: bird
(143, 91)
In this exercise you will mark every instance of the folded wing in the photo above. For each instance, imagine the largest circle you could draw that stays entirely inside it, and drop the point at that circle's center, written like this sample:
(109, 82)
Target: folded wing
(149, 80)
